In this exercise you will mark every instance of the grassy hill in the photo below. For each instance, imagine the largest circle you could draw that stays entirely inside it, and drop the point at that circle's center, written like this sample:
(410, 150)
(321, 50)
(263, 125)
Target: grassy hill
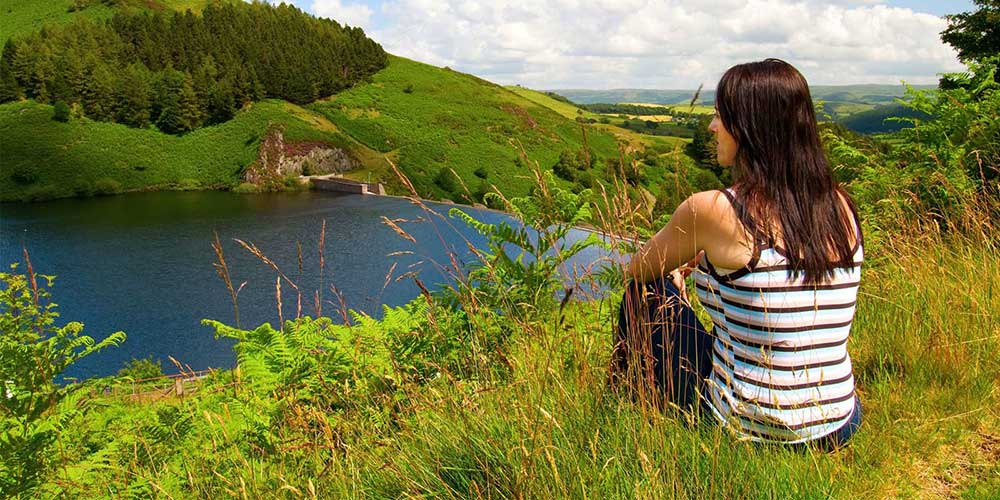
(422, 117)
(425, 119)
(25, 16)
(431, 119)
(862, 93)
(44, 158)
(572, 112)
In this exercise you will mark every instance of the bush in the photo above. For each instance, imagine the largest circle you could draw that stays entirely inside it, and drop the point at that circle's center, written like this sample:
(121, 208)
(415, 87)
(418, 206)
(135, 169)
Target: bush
(105, 186)
(292, 183)
(188, 184)
(43, 192)
(308, 168)
(24, 175)
(482, 190)
(141, 369)
(246, 188)
(448, 181)
(83, 189)
(60, 112)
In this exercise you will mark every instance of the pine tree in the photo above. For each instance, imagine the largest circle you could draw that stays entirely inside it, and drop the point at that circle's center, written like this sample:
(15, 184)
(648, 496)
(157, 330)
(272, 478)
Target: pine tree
(191, 112)
(42, 76)
(9, 89)
(73, 77)
(134, 96)
(99, 94)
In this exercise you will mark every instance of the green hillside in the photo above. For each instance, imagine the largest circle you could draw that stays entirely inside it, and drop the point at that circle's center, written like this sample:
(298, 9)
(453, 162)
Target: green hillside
(26, 16)
(426, 119)
(429, 121)
(43, 158)
(432, 118)
(448, 120)
(611, 123)
(861, 93)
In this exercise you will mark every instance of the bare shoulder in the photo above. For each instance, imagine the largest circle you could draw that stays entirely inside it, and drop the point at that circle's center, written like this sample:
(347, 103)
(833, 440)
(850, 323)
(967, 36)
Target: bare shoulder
(722, 236)
(710, 209)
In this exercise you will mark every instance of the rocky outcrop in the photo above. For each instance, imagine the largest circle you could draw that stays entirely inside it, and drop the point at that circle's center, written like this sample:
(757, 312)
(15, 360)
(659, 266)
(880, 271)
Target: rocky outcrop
(279, 158)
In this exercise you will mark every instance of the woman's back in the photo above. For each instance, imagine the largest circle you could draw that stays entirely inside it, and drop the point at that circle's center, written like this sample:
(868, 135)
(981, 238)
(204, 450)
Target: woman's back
(780, 365)
(780, 259)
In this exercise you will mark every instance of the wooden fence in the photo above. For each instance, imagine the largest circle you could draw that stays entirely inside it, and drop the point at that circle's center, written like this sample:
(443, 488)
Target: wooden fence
(154, 389)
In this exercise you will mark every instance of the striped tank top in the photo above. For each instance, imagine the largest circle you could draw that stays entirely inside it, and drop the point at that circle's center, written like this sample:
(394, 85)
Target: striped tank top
(780, 370)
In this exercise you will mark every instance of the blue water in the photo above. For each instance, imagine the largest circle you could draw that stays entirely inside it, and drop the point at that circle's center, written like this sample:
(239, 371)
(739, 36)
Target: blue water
(143, 263)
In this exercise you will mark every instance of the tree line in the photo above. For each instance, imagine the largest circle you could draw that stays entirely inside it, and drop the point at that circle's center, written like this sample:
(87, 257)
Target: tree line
(179, 71)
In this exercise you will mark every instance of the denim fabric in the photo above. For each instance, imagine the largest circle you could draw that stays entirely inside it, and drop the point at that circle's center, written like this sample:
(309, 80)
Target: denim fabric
(681, 347)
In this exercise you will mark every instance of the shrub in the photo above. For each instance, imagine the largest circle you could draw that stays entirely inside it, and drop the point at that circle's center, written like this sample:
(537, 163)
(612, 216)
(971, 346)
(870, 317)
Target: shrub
(142, 369)
(246, 188)
(308, 168)
(482, 190)
(105, 186)
(448, 181)
(188, 184)
(24, 175)
(83, 189)
(60, 112)
(291, 182)
(43, 193)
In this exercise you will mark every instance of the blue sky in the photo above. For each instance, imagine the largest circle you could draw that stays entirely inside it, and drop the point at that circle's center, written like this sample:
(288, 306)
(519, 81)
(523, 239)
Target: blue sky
(658, 43)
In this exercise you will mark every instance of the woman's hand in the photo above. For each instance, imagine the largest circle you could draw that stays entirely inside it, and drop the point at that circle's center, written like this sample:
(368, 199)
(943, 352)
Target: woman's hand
(678, 275)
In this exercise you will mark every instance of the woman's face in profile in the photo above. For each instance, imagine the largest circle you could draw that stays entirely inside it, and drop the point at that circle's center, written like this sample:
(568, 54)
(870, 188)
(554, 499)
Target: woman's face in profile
(725, 151)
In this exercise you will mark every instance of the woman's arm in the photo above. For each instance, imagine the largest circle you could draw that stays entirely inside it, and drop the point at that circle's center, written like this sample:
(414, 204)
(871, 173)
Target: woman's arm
(678, 242)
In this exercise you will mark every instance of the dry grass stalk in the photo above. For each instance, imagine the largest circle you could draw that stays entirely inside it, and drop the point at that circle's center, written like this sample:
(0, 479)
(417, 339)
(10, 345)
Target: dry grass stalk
(342, 304)
(252, 248)
(277, 296)
(398, 230)
(222, 269)
(322, 267)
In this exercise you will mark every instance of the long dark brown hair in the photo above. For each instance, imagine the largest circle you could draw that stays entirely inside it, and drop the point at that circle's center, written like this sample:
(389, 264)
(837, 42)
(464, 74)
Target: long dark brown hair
(781, 174)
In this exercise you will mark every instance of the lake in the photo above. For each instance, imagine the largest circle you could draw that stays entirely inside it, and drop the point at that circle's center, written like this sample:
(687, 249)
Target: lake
(142, 263)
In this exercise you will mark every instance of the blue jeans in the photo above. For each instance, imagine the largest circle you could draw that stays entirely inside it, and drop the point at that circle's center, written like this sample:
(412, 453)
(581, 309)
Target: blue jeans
(660, 340)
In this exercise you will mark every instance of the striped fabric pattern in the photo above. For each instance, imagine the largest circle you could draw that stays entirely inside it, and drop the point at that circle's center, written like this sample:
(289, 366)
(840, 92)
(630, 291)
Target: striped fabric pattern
(781, 371)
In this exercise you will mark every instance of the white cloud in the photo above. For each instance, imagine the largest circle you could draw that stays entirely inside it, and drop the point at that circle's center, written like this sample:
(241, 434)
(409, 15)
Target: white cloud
(344, 13)
(660, 43)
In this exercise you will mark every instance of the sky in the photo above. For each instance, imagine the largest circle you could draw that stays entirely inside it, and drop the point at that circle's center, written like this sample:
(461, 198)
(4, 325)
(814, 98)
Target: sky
(663, 44)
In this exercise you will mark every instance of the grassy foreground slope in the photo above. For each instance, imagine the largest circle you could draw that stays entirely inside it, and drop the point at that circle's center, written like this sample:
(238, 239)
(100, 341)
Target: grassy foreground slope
(434, 402)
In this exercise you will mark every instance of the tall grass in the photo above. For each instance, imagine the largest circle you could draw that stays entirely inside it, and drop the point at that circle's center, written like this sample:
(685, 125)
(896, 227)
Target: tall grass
(476, 393)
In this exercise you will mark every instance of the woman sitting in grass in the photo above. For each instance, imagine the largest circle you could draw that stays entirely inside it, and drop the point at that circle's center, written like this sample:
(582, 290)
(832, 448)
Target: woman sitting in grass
(776, 261)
